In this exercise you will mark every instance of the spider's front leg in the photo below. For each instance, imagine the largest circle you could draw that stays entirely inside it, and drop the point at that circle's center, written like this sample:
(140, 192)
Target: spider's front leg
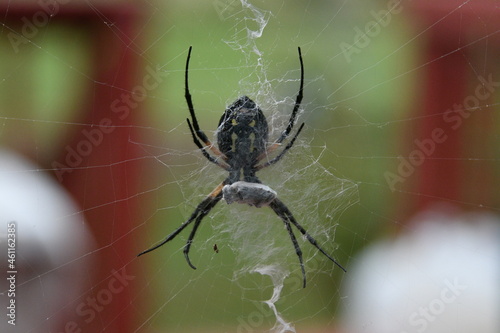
(199, 213)
(195, 128)
(291, 121)
(284, 213)
(280, 155)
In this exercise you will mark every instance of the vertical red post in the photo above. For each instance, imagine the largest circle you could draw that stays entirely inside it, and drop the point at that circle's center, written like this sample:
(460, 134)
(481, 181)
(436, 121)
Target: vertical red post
(104, 172)
(106, 182)
(453, 32)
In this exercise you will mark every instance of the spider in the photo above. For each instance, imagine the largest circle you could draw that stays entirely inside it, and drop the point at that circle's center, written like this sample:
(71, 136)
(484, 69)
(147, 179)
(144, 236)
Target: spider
(242, 150)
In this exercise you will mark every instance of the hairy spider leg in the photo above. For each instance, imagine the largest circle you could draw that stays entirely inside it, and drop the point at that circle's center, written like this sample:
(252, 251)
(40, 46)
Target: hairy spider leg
(291, 122)
(203, 151)
(199, 213)
(216, 196)
(284, 213)
(298, 100)
(286, 220)
(280, 155)
(199, 133)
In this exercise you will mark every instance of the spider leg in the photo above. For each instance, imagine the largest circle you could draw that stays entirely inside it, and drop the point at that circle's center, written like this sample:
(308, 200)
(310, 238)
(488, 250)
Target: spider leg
(216, 195)
(298, 101)
(203, 151)
(280, 155)
(284, 213)
(297, 248)
(199, 213)
(199, 133)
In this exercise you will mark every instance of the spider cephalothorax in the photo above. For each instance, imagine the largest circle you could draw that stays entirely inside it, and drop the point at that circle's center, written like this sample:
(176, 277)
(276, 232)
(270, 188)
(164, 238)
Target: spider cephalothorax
(242, 150)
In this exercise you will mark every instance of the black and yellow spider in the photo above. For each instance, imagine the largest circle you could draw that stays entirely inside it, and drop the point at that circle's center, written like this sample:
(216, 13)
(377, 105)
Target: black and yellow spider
(242, 150)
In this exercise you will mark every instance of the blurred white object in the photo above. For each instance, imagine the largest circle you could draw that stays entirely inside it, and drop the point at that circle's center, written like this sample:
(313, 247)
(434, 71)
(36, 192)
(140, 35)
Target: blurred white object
(442, 275)
(51, 243)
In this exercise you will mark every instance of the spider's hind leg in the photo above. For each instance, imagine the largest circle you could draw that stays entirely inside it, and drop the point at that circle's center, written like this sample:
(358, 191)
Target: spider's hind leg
(284, 213)
(199, 213)
(210, 202)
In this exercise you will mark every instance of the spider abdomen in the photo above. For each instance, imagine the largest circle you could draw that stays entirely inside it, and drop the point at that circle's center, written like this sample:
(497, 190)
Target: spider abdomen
(253, 194)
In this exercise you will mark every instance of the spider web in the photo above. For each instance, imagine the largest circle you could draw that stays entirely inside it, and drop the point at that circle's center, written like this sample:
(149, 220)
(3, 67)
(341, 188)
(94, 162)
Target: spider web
(359, 100)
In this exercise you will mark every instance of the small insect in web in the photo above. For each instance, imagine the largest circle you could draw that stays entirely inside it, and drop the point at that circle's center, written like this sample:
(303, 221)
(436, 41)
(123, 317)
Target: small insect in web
(242, 150)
